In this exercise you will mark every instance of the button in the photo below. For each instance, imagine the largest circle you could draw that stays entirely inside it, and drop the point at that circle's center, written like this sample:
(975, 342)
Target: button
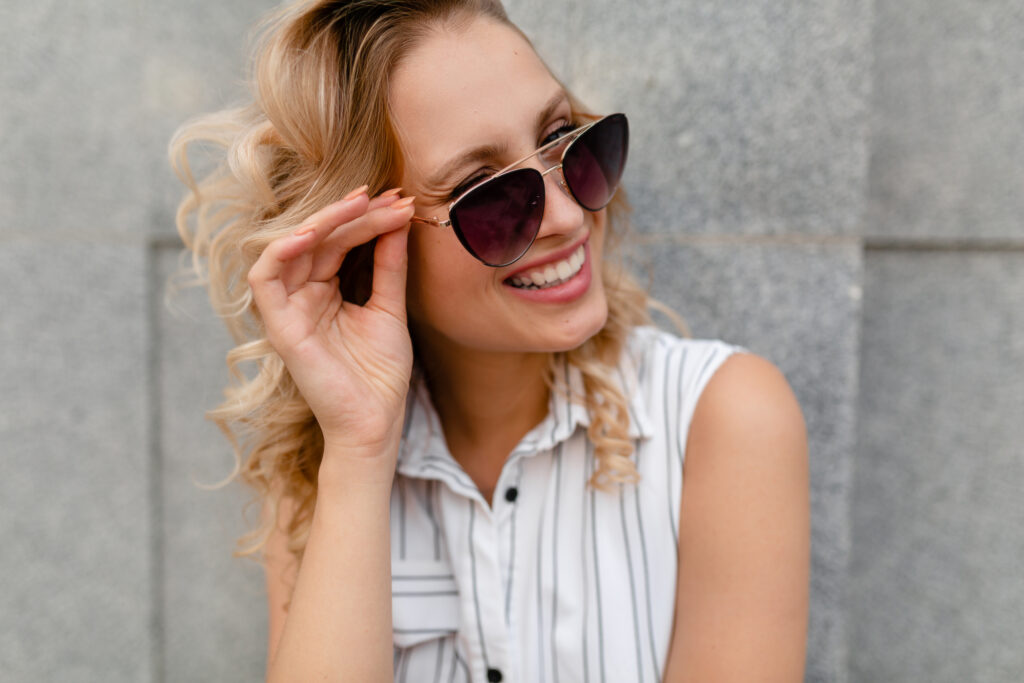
(510, 495)
(494, 675)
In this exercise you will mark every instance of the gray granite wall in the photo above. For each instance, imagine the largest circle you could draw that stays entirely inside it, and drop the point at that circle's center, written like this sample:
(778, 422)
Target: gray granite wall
(836, 185)
(935, 582)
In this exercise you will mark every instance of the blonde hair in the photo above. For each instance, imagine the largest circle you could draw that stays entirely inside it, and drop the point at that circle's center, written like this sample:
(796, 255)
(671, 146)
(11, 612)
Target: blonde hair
(318, 126)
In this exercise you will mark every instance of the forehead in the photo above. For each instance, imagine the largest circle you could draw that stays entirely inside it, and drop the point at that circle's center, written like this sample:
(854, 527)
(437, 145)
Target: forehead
(481, 84)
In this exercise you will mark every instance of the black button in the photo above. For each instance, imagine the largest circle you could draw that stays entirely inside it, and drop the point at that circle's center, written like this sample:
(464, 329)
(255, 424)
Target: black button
(510, 495)
(494, 675)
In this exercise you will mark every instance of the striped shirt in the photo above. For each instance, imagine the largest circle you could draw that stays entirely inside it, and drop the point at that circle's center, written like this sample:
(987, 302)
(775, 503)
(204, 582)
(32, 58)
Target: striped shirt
(554, 581)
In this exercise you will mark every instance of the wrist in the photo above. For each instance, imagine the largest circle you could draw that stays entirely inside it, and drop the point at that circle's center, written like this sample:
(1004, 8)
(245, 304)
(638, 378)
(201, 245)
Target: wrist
(364, 465)
(366, 441)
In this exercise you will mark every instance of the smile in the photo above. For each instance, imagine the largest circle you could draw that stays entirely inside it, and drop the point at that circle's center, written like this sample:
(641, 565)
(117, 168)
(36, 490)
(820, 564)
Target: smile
(551, 274)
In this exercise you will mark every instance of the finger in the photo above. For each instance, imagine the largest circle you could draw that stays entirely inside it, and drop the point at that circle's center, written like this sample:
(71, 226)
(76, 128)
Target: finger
(330, 254)
(323, 222)
(390, 268)
(270, 278)
(295, 272)
(264, 276)
(276, 257)
(321, 226)
(385, 198)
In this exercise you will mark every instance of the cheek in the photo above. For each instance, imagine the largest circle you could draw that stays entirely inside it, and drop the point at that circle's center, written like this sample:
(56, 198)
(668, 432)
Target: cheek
(597, 236)
(419, 275)
(438, 269)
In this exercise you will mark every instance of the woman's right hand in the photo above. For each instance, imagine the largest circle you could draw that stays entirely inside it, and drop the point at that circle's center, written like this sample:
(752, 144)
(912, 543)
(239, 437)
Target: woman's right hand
(351, 363)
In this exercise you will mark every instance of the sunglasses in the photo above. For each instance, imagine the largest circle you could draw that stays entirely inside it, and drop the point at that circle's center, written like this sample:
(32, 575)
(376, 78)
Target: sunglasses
(498, 219)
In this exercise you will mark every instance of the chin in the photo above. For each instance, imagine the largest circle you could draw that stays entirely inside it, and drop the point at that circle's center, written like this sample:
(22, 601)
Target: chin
(576, 330)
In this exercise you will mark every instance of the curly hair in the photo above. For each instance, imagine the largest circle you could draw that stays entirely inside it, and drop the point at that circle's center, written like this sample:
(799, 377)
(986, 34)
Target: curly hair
(318, 125)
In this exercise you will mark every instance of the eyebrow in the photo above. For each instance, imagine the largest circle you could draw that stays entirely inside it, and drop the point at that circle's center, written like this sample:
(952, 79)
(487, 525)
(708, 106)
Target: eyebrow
(484, 152)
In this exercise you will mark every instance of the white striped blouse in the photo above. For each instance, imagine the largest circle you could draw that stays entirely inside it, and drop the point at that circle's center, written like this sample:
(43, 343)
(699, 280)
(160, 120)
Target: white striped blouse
(555, 582)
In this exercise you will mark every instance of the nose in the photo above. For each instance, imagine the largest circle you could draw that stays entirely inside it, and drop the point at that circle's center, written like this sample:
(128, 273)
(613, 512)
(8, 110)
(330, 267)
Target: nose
(562, 214)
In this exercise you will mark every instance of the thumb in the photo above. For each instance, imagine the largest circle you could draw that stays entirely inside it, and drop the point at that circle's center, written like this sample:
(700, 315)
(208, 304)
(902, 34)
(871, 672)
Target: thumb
(390, 266)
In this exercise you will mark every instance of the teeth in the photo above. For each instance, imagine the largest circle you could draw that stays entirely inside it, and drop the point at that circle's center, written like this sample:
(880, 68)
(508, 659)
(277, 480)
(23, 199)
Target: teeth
(552, 273)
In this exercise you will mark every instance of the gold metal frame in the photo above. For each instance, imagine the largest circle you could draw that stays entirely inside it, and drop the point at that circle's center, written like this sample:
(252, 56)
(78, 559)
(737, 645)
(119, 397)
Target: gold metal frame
(568, 139)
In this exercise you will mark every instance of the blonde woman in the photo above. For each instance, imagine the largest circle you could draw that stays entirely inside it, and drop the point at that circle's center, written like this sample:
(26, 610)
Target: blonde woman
(469, 445)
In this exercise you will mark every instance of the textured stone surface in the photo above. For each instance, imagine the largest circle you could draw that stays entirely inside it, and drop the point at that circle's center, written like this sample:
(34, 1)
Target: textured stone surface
(935, 589)
(546, 24)
(798, 305)
(747, 117)
(69, 82)
(95, 90)
(75, 572)
(194, 64)
(947, 156)
(214, 604)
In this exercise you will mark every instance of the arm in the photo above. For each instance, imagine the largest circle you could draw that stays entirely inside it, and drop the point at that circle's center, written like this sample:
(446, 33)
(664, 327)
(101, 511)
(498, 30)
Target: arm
(352, 366)
(744, 532)
(338, 626)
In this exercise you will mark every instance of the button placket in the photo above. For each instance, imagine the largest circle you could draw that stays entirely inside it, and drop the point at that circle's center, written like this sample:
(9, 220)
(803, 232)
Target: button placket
(487, 590)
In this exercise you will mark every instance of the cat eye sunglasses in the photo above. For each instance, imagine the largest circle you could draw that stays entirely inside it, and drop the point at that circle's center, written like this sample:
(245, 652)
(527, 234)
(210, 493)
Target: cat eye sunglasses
(498, 219)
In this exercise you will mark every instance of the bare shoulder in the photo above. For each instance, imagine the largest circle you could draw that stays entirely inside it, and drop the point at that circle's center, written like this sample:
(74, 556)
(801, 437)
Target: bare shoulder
(748, 399)
(744, 531)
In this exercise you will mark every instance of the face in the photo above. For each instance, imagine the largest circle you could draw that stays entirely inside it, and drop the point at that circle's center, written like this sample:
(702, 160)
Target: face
(484, 86)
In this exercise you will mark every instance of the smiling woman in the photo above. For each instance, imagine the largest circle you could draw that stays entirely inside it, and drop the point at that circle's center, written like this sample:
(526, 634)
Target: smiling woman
(417, 355)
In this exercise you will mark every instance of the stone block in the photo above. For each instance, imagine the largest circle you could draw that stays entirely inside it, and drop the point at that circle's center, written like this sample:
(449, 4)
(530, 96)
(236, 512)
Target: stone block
(214, 604)
(947, 156)
(798, 305)
(745, 117)
(546, 24)
(73, 166)
(935, 589)
(76, 572)
(194, 63)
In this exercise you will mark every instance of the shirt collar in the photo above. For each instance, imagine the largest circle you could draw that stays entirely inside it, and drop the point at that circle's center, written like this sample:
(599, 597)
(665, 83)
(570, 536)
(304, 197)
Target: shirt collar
(424, 453)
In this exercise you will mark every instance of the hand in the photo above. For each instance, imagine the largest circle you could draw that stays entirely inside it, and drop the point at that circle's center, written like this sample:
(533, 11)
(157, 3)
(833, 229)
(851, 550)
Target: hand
(350, 363)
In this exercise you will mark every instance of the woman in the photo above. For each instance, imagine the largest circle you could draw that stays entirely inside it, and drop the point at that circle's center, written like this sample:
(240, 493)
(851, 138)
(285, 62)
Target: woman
(469, 447)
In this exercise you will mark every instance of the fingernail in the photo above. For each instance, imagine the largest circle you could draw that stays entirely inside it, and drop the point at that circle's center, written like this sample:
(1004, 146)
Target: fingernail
(304, 230)
(393, 191)
(355, 193)
(403, 203)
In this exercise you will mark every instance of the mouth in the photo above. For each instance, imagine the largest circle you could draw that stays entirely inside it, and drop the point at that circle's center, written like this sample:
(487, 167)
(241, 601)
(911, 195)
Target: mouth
(552, 273)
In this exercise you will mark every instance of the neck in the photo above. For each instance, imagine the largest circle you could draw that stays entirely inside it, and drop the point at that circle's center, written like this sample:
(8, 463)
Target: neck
(487, 401)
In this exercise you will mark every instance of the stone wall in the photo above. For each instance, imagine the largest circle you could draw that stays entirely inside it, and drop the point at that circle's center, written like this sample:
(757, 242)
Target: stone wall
(836, 185)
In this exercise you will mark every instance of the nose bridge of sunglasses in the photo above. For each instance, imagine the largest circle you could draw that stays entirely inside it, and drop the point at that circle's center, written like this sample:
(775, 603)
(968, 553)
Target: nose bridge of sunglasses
(559, 177)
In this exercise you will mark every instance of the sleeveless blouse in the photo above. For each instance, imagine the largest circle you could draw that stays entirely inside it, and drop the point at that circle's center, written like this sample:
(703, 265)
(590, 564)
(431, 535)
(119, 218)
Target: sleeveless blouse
(554, 581)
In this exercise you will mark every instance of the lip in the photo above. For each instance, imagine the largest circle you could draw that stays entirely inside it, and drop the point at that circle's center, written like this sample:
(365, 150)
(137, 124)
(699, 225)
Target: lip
(553, 257)
(567, 292)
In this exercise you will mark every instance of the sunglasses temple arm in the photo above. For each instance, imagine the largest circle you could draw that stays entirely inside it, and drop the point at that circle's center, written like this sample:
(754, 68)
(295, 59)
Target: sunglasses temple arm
(431, 221)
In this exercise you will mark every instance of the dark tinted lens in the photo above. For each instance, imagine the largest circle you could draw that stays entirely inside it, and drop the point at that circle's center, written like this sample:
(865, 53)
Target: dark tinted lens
(594, 163)
(498, 220)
